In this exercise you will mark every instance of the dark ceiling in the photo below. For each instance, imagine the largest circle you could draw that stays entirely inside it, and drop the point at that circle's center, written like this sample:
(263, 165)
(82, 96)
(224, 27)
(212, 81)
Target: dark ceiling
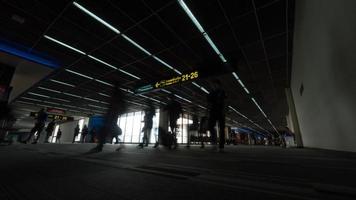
(255, 34)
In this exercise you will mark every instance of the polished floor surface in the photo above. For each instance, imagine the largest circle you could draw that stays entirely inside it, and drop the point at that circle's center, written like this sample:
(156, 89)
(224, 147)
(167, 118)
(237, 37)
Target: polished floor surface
(67, 171)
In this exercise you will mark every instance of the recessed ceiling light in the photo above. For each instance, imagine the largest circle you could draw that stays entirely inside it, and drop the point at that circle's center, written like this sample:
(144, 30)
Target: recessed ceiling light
(96, 17)
(125, 72)
(63, 83)
(102, 62)
(79, 74)
(64, 44)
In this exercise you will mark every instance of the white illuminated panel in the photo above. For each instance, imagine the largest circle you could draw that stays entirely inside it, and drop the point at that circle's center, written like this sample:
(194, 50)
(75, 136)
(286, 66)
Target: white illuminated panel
(40, 95)
(79, 74)
(43, 88)
(127, 73)
(63, 83)
(102, 62)
(64, 44)
(96, 17)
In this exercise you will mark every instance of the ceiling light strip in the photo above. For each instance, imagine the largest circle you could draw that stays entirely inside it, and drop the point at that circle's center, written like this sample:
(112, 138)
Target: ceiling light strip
(201, 29)
(102, 62)
(89, 99)
(43, 88)
(96, 17)
(200, 87)
(135, 44)
(31, 99)
(123, 35)
(40, 95)
(164, 63)
(72, 95)
(127, 73)
(79, 74)
(64, 44)
(103, 82)
(183, 98)
(63, 83)
(105, 95)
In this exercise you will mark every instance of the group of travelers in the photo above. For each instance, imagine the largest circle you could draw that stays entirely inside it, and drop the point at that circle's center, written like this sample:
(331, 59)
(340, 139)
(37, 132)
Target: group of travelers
(117, 106)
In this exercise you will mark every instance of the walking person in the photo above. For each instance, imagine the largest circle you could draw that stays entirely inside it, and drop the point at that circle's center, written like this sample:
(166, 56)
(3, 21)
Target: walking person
(59, 135)
(92, 134)
(85, 133)
(174, 109)
(76, 132)
(39, 125)
(116, 107)
(216, 102)
(115, 134)
(203, 127)
(49, 130)
(150, 112)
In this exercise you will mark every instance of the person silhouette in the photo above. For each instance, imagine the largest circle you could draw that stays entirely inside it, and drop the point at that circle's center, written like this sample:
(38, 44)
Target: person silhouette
(174, 109)
(150, 112)
(38, 128)
(216, 102)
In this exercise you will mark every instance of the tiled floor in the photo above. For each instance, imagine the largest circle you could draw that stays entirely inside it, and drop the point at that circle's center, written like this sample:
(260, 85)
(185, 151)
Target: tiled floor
(67, 171)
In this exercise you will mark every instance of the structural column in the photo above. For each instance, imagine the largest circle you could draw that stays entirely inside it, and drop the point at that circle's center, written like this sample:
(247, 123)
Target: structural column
(294, 118)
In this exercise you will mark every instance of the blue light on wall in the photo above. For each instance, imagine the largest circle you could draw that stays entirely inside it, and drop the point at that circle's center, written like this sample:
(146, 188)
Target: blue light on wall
(24, 53)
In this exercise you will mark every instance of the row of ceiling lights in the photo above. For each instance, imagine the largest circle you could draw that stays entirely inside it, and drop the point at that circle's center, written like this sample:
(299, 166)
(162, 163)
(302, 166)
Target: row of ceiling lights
(195, 21)
(214, 47)
(108, 25)
(109, 65)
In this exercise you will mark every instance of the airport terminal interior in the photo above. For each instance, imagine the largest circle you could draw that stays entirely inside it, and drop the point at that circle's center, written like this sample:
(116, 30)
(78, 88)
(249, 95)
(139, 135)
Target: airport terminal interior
(177, 99)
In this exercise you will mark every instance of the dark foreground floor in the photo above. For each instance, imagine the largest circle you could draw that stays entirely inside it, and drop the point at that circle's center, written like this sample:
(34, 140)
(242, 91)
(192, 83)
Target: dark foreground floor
(64, 171)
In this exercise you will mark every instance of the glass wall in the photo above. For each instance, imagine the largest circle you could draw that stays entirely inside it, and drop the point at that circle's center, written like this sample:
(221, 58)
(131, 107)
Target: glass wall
(132, 123)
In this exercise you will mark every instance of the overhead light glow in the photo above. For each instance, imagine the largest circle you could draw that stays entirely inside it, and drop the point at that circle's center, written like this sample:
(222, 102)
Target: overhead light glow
(258, 106)
(72, 95)
(246, 90)
(79, 74)
(94, 106)
(96, 17)
(178, 72)
(43, 88)
(103, 82)
(136, 45)
(164, 63)
(235, 75)
(40, 95)
(102, 62)
(201, 29)
(191, 16)
(183, 98)
(105, 95)
(166, 91)
(64, 44)
(201, 106)
(125, 72)
(206, 36)
(89, 99)
(200, 87)
(63, 83)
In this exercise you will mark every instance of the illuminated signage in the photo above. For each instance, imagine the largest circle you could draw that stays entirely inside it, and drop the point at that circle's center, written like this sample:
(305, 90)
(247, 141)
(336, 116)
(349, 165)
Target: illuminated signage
(52, 116)
(169, 82)
(55, 110)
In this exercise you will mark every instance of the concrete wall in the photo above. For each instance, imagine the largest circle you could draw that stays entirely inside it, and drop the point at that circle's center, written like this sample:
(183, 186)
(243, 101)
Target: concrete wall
(27, 73)
(324, 61)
